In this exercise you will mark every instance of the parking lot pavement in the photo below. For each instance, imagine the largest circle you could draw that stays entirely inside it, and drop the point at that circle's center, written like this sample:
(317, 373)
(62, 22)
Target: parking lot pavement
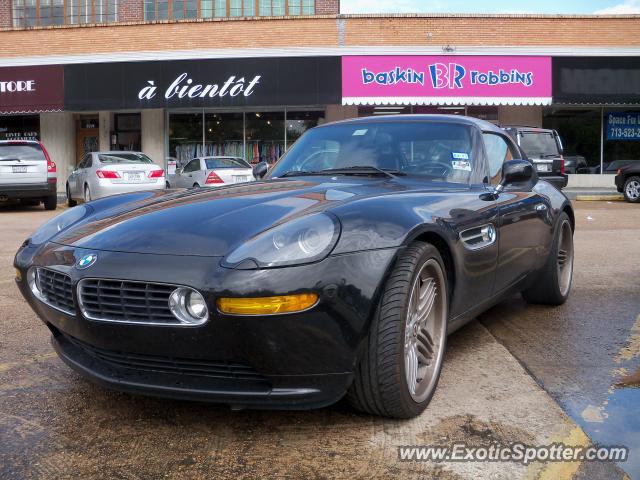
(54, 424)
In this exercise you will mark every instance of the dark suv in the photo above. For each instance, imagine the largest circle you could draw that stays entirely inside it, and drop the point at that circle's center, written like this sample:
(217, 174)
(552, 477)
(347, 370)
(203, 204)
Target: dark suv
(544, 149)
(27, 173)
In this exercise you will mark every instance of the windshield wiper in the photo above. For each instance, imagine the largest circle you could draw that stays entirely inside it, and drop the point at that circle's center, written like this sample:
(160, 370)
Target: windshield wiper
(296, 173)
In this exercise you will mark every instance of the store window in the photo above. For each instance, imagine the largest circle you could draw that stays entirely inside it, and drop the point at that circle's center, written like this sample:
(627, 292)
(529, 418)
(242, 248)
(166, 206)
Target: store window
(224, 134)
(20, 127)
(264, 136)
(128, 132)
(183, 9)
(258, 136)
(43, 13)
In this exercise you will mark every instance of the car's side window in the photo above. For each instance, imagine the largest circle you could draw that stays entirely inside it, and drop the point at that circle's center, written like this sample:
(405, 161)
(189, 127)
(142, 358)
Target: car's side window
(83, 162)
(498, 151)
(88, 161)
(192, 166)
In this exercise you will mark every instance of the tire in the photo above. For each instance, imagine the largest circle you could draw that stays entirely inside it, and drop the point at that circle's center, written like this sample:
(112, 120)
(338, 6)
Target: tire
(553, 286)
(382, 377)
(195, 185)
(70, 201)
(87, 194)
(631, 189)
(51, 202)
(166, 185)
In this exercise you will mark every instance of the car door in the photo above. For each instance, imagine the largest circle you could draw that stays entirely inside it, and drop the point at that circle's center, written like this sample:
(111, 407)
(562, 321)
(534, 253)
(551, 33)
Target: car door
(187, 178)
(75, 180)
(522, 213)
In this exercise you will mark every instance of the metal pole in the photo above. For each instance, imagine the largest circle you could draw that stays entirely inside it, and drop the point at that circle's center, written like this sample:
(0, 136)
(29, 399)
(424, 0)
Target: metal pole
(601, 140)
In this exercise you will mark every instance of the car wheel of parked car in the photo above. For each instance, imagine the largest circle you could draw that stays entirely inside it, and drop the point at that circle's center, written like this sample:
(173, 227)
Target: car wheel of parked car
(402, 359)
(70, 201)
(632, 190)
(195, 185)
(167, 185)
(87, 194)
(51, 202)
(553, 286)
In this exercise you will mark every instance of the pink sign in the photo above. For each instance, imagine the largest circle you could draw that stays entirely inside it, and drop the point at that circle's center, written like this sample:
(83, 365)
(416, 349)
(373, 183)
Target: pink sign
(433, 80)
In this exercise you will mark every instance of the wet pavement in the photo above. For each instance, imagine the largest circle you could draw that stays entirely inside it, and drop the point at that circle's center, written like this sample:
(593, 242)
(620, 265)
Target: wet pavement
(586, 354)
(54, 424)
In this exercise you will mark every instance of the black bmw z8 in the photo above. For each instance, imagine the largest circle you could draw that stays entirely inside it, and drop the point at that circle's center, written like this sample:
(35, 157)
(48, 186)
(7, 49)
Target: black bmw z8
(339, 273)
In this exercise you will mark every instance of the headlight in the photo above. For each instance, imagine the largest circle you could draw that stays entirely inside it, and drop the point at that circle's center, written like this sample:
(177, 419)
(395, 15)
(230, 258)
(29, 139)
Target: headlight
(305, 240)
(59, 223)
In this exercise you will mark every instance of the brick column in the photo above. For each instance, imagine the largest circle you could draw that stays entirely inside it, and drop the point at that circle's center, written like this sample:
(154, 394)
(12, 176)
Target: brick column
(130, 11)
(327, 7)
(6, 20)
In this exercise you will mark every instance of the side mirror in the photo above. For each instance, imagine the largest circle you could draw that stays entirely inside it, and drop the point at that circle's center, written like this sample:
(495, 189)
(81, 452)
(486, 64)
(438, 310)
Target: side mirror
(260, 170)
(515, 171)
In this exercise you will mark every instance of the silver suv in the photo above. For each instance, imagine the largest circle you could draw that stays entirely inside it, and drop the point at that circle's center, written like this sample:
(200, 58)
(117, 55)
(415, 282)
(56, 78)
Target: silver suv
(27, 173)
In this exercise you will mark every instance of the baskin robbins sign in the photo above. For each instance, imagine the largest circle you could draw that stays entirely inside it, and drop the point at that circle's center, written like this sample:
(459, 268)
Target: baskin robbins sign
(438, 80)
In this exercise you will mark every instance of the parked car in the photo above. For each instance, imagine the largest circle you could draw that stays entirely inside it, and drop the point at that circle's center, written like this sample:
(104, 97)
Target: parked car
(211, 172)
(544, 148)
(628, 181)
(27, 173)
(575, 164)
(613, 167)
(100, 174)
(294, 291)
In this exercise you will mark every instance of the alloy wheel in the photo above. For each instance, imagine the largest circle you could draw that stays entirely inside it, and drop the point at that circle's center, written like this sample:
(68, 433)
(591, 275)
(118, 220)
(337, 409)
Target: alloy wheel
(425, 330)
(565, 258)
(632, 189)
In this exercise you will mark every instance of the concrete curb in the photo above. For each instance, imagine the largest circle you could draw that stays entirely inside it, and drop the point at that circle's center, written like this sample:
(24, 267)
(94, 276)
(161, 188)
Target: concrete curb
(595, 198)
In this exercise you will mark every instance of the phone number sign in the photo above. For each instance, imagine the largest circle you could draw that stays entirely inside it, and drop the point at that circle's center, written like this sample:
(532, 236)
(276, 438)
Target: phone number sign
(623, 126)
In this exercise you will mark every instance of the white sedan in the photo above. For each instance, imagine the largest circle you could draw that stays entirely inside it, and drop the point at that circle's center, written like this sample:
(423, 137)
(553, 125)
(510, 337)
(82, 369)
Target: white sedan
(211, 172)
(100, 174)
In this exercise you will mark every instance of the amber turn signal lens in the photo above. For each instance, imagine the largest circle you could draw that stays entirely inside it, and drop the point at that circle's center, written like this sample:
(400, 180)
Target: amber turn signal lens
(267, 305)
(18, 275)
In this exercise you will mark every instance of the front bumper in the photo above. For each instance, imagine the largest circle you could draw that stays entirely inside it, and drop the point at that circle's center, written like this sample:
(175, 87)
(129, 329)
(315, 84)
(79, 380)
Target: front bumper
(301, 360)
(31, 190)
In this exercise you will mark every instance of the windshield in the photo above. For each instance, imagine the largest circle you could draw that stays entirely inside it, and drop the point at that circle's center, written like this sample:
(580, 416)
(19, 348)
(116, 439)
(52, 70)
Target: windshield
(23, 151)
(539, 144)
(229, 162)
(439, 150)
(113, 158)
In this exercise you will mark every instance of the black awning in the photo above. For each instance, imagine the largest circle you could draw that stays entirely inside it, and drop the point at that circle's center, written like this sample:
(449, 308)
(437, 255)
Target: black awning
(596, 80)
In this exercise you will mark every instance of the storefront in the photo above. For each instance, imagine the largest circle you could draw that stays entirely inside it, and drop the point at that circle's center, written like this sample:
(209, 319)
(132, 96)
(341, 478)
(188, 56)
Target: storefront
(252, 108)
(596, 109)
(24, 93)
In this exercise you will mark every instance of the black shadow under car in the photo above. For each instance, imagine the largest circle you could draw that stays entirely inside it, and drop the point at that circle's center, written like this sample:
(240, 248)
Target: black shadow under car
(340, 273)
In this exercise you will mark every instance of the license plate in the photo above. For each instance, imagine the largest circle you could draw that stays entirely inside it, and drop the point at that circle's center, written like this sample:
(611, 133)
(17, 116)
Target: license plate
(19, 169)
(240, 178)
(134, 177)
(543, 167)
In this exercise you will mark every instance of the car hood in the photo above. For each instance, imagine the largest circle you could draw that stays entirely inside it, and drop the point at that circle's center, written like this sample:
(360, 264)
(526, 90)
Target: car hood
(211, 222)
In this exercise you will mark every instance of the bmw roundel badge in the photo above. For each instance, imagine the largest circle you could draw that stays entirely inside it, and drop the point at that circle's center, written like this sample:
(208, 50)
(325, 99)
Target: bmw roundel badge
(86, 261)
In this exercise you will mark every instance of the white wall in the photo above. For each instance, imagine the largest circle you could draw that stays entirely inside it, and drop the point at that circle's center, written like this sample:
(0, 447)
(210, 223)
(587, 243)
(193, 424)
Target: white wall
(58, 134)
(530, 116)
(153, 135)
(592, 181)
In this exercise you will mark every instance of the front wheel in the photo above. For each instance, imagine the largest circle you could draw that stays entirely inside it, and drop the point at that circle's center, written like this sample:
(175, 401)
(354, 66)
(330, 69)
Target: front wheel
(632, 190)
(553, 285)
(70, 201)
(402, 359)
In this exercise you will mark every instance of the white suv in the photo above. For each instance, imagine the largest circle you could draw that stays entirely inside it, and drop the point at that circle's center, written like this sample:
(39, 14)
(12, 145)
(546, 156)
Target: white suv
(27, 173)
